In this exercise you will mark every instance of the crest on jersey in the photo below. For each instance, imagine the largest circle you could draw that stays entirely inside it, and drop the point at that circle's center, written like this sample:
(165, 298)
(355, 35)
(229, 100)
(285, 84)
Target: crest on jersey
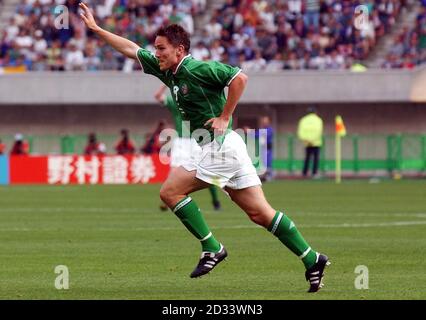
(184, 89)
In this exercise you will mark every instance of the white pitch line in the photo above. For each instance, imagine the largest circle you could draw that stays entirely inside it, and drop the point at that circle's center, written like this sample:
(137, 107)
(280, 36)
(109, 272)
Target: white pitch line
(367, 225)
(340, 225)
(153, 211)
(304, 226)
(69, 209)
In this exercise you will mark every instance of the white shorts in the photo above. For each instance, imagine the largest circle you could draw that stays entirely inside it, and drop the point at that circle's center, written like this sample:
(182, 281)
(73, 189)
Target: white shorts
(225, 165)
(182, 148)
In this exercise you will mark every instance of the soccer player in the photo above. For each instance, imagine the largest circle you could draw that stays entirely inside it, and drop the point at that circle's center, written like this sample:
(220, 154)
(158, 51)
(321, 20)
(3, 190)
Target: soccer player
(182, 146)
(198, 91)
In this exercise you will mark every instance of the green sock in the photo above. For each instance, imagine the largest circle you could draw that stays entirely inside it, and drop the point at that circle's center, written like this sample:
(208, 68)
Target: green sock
(190, 215)
(285, 230)
(213, 192)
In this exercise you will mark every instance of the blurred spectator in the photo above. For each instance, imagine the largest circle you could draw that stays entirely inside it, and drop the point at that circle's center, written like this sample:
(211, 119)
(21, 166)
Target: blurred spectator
(257, 64)
(213, 28)
(12, 29)
(335, 61)
(268, 144)
(94, 147)
(40, 44)
(200, 52)
(39, 63)
(20, 146)
(408, 62)
(152, 144)
(109, 62)
(276, 64)
(79, 40)
(216, 51)
(92, 61)
(23, 42)
(319, 62)
(308, 34)
(125, 145)
(55, 61)
(74, 58)
(198, 6)
(311, 15)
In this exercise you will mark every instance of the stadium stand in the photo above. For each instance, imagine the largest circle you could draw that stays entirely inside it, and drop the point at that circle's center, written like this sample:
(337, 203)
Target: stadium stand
(409, 46)
(254, 34)
(32, 40)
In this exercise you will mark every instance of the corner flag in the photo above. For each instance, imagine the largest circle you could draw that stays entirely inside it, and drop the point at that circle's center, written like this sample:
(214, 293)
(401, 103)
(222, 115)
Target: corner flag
(340, 127)
(340, 132)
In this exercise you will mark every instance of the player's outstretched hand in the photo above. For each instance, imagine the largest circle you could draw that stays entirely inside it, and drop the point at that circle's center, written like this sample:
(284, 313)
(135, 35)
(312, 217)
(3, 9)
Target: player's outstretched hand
(87, 17)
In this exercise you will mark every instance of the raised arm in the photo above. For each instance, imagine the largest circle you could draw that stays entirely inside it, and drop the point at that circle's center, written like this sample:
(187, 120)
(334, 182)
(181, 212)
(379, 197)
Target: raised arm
(122, 45)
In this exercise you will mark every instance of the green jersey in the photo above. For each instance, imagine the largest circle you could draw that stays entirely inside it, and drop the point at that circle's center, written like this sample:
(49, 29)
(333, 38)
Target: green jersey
(177, 117)
(197, 88)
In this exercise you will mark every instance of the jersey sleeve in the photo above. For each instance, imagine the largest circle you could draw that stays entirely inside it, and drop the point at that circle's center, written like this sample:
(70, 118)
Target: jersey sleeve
(149, 63)
(217, 73)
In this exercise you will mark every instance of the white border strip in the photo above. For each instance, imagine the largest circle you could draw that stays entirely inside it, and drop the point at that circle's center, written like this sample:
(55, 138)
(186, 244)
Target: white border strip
(277, 222)
(304, 254)
(206, 237)
(232, 79)
(137, 58)
(182, 204)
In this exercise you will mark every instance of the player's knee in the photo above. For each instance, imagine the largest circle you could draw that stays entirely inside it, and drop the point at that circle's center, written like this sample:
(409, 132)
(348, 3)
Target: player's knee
(257, 216)
(166, 195)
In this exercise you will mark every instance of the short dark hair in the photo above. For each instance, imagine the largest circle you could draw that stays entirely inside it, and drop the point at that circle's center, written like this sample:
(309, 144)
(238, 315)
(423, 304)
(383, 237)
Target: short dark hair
(176, 35)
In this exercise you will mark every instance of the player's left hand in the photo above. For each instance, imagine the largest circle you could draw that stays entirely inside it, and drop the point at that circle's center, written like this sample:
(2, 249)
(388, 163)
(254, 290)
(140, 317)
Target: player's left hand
(218, 125)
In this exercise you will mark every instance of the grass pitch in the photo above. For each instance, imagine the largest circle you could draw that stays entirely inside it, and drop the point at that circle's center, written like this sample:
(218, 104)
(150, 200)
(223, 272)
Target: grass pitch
(118, 245)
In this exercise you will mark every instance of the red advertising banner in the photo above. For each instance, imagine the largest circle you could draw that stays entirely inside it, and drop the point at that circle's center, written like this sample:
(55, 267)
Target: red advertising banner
(139, 169)
(27, 169)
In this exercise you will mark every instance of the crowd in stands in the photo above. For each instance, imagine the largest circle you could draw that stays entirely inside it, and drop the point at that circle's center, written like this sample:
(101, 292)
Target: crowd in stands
(49, 34)
(253, 34)
(298, 34)
(409, 45)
